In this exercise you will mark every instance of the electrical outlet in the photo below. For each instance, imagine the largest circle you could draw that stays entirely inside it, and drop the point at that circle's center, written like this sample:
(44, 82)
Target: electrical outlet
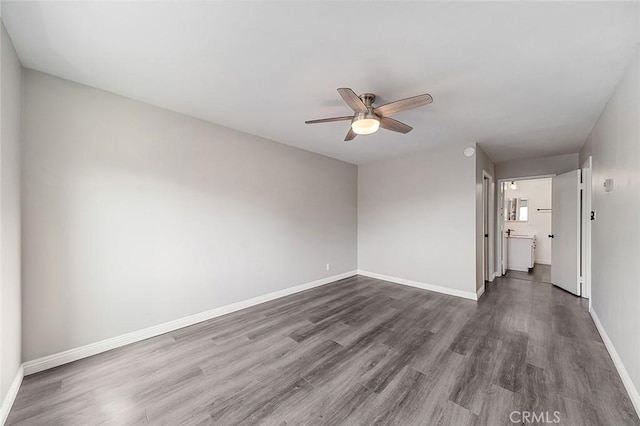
(328, 266)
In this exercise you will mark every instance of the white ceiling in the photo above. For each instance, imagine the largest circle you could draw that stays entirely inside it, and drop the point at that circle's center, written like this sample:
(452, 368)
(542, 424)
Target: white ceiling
(522, 79)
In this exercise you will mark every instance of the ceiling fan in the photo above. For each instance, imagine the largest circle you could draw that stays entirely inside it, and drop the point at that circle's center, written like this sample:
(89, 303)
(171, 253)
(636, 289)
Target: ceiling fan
(368, 118)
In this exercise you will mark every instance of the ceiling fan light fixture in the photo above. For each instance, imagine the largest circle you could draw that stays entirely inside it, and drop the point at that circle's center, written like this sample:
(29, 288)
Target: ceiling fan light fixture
(365, 123)
(369, 118)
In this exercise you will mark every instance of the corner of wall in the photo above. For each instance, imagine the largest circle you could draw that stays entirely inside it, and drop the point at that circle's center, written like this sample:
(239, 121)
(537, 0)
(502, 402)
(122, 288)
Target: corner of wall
(11, 101)
(10, 397)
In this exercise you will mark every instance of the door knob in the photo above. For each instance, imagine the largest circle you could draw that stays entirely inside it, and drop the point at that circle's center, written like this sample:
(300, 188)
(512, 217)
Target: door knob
(550, 235)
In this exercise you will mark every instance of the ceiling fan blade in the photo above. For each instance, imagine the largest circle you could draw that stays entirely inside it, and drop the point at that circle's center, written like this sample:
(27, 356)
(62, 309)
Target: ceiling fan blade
(403, 104)
(329, 120)
(394, 125)
(352, 100)
(351, 135)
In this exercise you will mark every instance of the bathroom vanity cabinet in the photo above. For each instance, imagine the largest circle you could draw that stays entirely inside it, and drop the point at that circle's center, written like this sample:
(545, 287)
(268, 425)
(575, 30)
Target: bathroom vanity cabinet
(521, 252)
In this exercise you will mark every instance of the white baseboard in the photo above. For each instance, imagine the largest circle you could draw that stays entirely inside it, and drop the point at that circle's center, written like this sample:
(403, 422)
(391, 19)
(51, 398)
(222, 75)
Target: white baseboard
(55, 360)
(480, 292)
(424, 286)
(10, 398)
(622, 371)
(542, 261)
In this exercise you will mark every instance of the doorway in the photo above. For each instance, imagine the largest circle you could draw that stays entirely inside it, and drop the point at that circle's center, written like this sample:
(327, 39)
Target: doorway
(548, 234)
(526, 228)
(488, 200)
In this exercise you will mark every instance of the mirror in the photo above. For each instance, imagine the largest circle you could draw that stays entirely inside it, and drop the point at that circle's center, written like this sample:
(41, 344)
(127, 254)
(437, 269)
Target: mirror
(517, 209)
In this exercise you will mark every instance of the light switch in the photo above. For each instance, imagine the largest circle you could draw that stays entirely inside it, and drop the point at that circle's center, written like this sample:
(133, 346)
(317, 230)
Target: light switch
(608, 185)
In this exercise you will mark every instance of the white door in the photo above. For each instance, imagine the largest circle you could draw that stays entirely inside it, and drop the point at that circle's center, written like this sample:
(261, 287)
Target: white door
(565, 225)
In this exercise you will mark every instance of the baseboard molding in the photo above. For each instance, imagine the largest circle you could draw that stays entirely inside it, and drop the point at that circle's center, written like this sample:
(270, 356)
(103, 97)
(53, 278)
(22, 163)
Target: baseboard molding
(10, 398)
(542, 262)
(424, 286)
(480, 291)
(55, 360)
(634, 395)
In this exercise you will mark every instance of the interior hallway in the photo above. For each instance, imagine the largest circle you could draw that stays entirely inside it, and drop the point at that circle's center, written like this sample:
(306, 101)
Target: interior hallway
(358, 351)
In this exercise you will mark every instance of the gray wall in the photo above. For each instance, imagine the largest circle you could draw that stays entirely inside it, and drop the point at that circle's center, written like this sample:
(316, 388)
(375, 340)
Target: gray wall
(135, 215)
(416, 218)
(554, 165)
(10, 121)
(483, 164)
(614, 145)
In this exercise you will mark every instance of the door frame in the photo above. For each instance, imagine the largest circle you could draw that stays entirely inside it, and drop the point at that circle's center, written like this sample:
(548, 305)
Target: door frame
(488, 201)
(500, 215)
(585, 227)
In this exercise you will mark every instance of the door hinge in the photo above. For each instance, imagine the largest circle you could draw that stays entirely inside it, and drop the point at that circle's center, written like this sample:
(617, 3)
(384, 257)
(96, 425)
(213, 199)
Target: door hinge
(581, 186)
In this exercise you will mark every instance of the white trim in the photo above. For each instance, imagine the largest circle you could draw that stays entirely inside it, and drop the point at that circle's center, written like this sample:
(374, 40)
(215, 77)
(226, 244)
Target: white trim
(480, 292)
(622, 371)
(579, 234)
(500, 216)
(543, 262)
(424, 286)
(586, 240)
(509, 179)
(489, 209)
(60, 358)
(501, 266)
(10, 398)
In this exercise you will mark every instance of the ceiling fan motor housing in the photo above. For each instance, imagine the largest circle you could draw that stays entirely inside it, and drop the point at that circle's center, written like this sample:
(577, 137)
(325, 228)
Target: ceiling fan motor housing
(368, 99)
(365, 116)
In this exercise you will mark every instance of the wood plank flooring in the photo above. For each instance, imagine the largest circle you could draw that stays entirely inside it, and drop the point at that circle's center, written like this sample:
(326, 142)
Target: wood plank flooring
(356, 352)
(539, 272)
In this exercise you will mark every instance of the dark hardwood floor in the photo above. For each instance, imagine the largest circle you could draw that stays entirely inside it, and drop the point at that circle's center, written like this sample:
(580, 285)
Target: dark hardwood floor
(356, 352)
